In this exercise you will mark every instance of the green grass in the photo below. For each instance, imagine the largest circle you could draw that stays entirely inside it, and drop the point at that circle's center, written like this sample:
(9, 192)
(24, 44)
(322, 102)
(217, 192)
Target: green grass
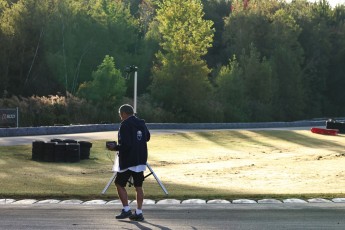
(215, 164)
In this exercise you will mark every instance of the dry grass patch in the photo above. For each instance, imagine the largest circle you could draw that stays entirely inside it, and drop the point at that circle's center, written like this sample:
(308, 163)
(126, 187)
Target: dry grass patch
(254, 162)
(213, 164)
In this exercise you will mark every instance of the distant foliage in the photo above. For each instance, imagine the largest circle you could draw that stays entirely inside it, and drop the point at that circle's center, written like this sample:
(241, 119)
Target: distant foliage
(107, 87)
(180, 83)
(198, 60)
(53, 110)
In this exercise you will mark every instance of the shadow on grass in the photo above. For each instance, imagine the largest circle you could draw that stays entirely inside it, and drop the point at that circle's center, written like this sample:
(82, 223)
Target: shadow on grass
(23, 178)
(91, 189)
(288, 136)
(232, 136)
(298, 138)
(186, 136)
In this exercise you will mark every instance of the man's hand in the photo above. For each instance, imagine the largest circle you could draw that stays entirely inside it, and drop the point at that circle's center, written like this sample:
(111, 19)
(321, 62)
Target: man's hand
(111, 145)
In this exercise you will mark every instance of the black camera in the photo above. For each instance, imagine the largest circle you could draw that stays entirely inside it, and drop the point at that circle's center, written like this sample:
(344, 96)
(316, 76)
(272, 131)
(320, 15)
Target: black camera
(131, 68)
(110, 144)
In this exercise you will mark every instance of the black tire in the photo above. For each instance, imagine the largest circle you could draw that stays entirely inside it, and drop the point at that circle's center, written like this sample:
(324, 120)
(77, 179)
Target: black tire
(342, 127)
(69, 141)
(85, 144)
(85, 147)
(49, 151)
(56, 140)
(72, 152)
(38, 150)
(60, 152)
(333, 124)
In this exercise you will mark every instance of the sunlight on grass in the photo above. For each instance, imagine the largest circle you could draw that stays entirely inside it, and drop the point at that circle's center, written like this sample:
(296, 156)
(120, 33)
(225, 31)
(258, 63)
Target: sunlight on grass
(194, 164)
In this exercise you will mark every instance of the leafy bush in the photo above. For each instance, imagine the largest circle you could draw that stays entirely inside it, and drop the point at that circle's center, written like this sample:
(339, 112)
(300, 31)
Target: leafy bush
(55, 110)
(151, 112)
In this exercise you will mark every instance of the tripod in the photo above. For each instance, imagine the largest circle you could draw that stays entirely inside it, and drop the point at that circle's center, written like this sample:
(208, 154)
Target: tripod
(131, 182)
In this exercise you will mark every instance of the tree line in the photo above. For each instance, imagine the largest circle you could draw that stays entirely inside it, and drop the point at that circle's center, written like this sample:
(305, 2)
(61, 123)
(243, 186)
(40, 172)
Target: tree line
(198, 60)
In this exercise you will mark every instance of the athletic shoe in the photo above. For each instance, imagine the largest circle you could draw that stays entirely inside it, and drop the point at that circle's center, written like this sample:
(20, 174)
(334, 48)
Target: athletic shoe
(137, 217)
(124, 214)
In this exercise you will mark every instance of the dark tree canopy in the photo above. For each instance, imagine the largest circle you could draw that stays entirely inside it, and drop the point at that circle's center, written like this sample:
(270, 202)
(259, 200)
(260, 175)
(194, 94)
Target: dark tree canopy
(199, 60)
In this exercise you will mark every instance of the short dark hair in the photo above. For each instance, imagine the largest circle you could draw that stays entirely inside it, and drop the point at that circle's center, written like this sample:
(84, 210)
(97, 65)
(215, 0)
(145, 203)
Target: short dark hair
(127, 109)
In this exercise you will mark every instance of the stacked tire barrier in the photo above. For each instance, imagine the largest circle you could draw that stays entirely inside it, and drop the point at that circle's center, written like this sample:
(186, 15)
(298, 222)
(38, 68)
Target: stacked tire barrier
(60, 152)
(49, 151)
(72, 153)
(333, 124)
(85, 148)
(38, 150)
(57, 150)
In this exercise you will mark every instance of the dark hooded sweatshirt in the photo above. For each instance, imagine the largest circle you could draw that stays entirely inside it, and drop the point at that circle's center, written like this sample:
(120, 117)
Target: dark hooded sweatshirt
(133, 136)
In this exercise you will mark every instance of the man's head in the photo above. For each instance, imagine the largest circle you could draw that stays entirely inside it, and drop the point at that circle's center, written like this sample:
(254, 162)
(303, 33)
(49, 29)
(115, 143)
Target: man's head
(125, 111)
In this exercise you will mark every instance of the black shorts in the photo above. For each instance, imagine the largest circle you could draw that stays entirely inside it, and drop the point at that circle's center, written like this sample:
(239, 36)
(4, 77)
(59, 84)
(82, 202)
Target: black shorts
(123, 177)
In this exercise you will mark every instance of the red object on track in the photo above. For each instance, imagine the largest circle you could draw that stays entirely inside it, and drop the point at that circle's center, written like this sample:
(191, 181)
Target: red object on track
(333, 132)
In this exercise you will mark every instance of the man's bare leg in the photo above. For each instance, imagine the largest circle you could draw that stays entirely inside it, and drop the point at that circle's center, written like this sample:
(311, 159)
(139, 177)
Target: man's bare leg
(121, 191)
(138, 215)
(140, 197)
(126, 211)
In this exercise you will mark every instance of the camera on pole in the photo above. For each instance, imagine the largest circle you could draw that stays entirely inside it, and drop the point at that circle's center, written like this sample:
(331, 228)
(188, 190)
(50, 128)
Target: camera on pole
(130, 69)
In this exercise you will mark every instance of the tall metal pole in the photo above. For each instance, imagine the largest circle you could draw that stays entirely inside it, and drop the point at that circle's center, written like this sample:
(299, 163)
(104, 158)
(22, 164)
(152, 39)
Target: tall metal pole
(135, 91)
(17, 117)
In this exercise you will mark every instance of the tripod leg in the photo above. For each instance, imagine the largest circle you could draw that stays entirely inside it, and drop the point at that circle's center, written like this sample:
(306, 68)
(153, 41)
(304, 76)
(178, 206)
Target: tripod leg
(157, 179)
(130, 182)
(109, 183)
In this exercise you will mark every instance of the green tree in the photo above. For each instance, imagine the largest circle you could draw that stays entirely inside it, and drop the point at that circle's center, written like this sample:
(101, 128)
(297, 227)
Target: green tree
(249, 26)
(259, 85)
(53, 46)
(83, 32)
(315, 38)
(335, 81)
(231, 92)
(240, 88)
(3, 54)
(274, 33)
(216, 11)
(3, 5)
(286, 61)
(180, 83)
(107, 87)
(23, 24)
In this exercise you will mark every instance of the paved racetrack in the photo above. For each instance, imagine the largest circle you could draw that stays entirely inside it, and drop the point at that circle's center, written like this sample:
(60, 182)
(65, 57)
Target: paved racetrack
(217, 216)
(108, 135)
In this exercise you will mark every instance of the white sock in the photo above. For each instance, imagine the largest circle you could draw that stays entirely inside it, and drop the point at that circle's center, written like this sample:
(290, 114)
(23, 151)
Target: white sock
(138, 211)
(126, 208)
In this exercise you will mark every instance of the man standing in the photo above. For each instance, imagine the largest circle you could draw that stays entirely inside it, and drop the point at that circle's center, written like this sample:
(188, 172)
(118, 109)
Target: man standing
(133, 136)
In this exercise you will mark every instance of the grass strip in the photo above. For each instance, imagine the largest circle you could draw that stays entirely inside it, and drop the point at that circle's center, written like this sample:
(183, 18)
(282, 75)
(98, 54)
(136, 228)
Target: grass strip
(229, 164)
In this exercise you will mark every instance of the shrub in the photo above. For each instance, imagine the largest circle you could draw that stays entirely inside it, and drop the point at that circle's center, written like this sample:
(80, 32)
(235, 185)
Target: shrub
(54, 109)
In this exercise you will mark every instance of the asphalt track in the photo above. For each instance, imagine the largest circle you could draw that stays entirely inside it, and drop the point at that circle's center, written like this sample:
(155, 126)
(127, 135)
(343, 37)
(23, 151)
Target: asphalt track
(108, 135)
(217, 216)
